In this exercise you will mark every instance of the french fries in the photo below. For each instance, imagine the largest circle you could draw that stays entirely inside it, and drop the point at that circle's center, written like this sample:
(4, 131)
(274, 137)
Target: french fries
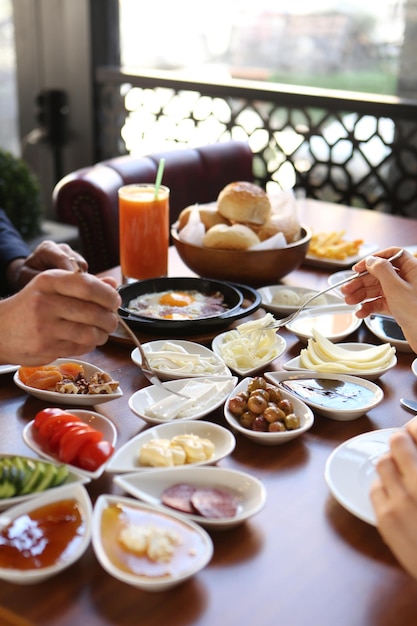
(333, 245)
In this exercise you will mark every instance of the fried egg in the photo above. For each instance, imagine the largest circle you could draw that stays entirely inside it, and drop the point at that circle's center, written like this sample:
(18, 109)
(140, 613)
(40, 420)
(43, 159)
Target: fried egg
(177, 305)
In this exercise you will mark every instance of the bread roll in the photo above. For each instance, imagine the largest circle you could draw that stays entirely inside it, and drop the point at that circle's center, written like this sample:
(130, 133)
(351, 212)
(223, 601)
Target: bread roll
(209, 215)
(235, 237)
(244, 202)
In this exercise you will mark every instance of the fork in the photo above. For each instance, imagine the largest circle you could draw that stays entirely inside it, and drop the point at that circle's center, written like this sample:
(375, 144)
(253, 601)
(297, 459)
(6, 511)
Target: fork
(286, 320)
(147, 371)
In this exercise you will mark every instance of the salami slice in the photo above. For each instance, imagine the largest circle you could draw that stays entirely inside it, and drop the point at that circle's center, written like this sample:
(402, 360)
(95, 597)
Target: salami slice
(214, 503)
(179, 497)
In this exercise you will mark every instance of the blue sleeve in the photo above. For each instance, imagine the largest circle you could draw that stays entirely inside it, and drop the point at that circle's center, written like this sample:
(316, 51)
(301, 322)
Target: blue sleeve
(12, 247)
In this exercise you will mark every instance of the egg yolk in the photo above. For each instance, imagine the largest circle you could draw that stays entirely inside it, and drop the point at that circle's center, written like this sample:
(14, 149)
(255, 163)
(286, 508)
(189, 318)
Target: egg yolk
(176, 298)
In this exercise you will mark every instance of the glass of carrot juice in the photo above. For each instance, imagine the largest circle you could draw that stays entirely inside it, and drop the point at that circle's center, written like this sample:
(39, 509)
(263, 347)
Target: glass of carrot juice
(143, 231)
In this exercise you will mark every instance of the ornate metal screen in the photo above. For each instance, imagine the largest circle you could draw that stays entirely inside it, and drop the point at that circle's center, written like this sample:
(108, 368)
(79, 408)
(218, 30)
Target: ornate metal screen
(357, 151)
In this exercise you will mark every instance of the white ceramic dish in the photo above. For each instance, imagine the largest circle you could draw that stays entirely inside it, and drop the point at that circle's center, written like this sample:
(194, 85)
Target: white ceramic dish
(31, 576)
(8, 369)
(101, 423)
(195, 548)
(294, 364)
(350, 471)
(336, 322)
(149, 487)
(208, 363)
(280, 346)
(364, 250)
(125, 459)
(387, 330)
(69, 399)
(300, 293)
(270, 438)
(218, 390)
(414, 367)
(337, 396)
(337, 277)
(74, 477)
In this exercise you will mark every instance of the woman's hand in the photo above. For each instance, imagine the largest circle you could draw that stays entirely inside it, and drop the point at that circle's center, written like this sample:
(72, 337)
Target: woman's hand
(394, 497)
(387, 290)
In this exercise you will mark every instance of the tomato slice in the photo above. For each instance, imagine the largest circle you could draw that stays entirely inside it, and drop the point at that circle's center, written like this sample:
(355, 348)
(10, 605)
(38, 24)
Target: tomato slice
(93, 455)
(49, 423)
(59, 431)
(45, 413)
(73, 440)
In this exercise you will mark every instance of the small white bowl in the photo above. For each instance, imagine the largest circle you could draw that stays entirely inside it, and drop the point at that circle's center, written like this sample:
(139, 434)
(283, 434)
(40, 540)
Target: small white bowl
(149, 487)
(219, 340)
(74, 477)
(101, 423)
(337, 396)
(125, 459)
(334, 322)
(270, 438)
(337, 277)
(295, 364)
(70, 399)
(209, 363)
(387, 330)
(31, 576)
(190, 556)
(273, 291)
(148, 396)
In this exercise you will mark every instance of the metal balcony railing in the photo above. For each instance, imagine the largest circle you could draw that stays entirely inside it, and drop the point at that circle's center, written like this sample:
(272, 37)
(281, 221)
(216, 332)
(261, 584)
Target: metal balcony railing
(357, 149)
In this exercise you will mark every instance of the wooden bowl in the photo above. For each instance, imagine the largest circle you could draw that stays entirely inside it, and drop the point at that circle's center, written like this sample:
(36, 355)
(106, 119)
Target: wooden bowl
(256, 267)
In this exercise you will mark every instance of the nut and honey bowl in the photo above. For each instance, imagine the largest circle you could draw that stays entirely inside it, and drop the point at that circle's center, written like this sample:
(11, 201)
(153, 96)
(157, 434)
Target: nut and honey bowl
(247, 236)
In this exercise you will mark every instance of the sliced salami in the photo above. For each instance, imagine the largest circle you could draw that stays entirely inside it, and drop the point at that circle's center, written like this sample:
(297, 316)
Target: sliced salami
(214, 503)
(179, 497)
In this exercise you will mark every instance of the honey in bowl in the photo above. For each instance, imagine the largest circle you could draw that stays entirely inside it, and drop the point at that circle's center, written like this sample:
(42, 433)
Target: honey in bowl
(43, 537)
(133, 557)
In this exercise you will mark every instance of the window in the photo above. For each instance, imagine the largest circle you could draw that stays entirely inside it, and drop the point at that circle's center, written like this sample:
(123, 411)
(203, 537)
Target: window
(8, 97)
(350, 45)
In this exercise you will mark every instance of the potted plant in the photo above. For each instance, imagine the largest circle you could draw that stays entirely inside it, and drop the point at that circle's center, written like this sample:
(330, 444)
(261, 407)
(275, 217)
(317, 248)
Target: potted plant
(20, 195)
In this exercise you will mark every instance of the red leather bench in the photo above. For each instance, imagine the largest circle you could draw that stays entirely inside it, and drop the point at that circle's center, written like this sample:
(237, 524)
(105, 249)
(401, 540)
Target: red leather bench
(88, 198)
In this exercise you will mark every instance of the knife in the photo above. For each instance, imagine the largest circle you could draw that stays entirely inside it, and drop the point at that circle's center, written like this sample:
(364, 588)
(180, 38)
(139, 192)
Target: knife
(409, 404)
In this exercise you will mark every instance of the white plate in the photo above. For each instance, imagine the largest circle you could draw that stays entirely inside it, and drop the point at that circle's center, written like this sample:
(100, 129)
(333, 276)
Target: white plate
(294, 364)
(365, 250)
(271, 438)
(336, 322)
(73, 477)
(195, 547)
(125, 459)
(144, 398)
(8, 369)
(280, 346)
(414, 367)
(215, 365)
(31, 576)
(337, 277)
(350, 471)
(268, 293)
(101, 423)
(70, 399)
(336, 398)
(387, 330)
(149, 487)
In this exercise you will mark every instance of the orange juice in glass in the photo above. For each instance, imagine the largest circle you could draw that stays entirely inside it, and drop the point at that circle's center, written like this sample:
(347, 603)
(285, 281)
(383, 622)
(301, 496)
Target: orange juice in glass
(143, 231)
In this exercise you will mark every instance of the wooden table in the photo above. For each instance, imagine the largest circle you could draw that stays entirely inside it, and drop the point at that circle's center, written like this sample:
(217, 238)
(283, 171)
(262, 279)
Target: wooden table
(302, 561)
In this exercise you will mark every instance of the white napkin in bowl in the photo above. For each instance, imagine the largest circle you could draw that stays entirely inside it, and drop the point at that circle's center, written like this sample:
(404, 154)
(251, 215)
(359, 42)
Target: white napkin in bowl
(276, 241)
(194, 230)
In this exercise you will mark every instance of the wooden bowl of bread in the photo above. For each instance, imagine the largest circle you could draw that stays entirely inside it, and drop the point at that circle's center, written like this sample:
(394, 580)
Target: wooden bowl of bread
(245, 236)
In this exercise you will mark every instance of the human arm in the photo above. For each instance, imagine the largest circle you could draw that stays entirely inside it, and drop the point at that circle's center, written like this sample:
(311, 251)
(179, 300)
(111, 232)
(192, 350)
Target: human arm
(394, 497)
(386, 290)
(58, 314)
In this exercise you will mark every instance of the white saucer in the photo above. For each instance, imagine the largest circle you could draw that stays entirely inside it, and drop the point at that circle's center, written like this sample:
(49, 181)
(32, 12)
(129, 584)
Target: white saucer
(350, 471)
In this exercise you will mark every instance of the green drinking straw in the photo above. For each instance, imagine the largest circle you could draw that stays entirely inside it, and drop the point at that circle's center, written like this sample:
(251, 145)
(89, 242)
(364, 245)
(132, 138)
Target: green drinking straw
(159, 177)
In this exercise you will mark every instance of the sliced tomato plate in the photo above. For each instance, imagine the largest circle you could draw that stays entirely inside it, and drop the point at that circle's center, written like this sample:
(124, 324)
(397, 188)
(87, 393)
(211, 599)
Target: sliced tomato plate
(85, 421)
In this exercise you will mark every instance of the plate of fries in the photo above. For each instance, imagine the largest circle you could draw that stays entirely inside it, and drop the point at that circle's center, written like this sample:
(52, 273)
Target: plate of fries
(336, 249)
